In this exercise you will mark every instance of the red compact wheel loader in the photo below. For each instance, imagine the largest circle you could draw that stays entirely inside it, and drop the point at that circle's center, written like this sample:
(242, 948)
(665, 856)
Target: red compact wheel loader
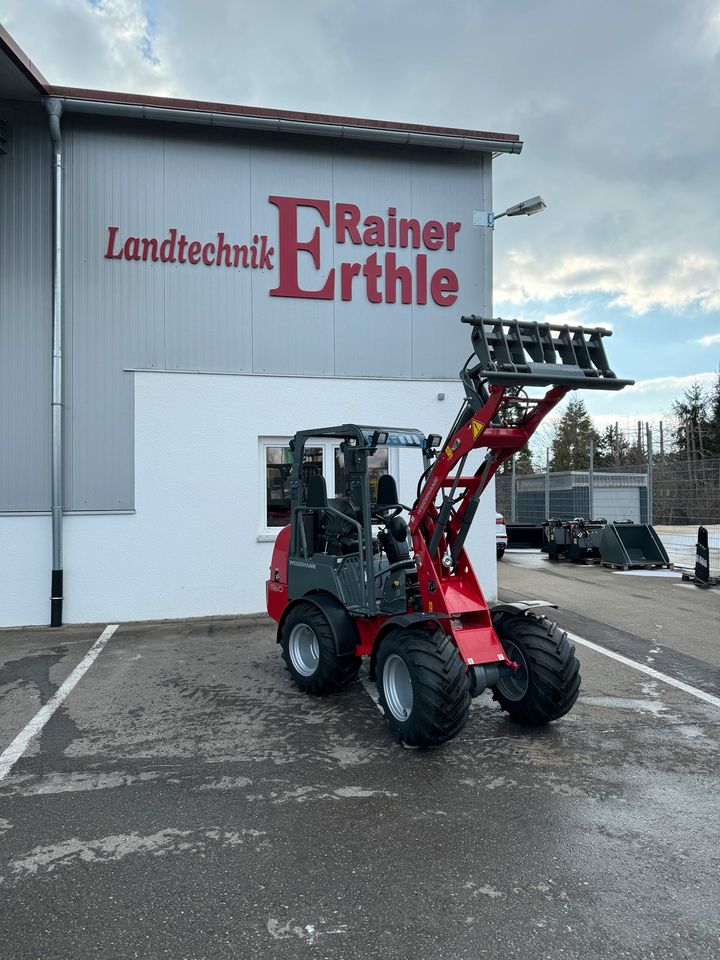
(350, 577)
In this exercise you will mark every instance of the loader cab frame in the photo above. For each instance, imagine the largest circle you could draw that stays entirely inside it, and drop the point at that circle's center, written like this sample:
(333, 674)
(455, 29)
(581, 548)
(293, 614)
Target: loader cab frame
(334, 547)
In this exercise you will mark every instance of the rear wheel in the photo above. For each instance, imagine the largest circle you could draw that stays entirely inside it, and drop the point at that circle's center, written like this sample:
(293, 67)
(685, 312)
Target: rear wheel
(547, 682)
(308, 649)
(422, 686)
(500, 552)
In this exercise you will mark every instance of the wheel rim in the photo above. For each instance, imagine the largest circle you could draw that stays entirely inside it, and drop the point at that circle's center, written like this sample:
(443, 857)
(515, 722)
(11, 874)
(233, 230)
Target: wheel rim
(397, 686)
(304, 649)
(513, 684)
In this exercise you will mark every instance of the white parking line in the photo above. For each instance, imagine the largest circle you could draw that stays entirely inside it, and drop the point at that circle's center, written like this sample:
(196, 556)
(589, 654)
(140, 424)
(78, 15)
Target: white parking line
(9, 757)
(655, 674)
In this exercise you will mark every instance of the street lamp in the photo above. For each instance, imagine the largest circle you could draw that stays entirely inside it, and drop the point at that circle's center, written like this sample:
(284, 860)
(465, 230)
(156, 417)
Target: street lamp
(527, 208)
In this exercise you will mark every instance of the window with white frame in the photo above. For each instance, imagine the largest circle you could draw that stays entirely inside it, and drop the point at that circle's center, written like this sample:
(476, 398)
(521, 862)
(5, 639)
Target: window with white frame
(321, 456)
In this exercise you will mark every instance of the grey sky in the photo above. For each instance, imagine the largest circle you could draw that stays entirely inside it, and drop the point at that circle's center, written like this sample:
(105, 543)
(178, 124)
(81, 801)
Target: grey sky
(618, 104)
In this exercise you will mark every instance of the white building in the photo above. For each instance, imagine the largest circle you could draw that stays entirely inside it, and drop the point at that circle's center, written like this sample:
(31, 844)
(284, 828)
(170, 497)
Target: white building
(225, 276)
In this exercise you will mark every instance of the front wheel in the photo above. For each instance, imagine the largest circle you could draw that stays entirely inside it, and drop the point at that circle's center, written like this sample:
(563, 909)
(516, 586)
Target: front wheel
(308, 649)
(547, 682)
(422, 686)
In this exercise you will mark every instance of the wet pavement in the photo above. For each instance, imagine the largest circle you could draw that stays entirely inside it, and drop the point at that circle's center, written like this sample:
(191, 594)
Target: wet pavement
(187, 801)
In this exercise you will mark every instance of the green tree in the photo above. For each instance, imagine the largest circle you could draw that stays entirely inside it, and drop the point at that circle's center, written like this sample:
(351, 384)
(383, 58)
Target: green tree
(524, 462)
(693, 432)
(714, 418)
(571, 438)
(612, 449)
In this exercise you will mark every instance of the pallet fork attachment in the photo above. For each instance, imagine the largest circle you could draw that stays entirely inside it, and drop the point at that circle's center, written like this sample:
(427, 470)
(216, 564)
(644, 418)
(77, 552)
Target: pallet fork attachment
(522, 353)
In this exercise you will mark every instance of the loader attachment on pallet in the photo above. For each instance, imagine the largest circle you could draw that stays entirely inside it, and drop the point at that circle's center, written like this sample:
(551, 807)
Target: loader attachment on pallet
(522, 353)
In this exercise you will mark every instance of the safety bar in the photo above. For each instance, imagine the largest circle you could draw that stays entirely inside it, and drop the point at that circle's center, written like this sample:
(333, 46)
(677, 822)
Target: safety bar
(526, 353)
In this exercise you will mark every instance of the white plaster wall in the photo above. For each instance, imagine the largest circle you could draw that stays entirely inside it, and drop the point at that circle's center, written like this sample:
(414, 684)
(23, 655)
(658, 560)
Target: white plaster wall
(191, 548)
(25, 570)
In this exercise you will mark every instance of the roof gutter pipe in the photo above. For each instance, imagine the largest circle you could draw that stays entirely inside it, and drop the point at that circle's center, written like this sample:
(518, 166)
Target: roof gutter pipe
(54, 109)
(338, 131)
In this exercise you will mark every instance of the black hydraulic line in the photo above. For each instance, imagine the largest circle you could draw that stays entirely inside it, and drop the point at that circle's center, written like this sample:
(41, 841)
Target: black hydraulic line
(471, 510)
(446, 510)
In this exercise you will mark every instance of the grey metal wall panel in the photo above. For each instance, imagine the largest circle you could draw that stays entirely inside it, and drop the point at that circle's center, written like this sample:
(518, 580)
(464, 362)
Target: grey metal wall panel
(372, 339)
(440, 343)
(146, 179)
(115, 312)
(25, 314)
(291, 336)
(207, 190)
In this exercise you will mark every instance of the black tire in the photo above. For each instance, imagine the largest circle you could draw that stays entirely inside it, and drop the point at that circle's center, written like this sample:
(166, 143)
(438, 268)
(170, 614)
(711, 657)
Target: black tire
(308, 649)
(548, 682)
(500, 552)
(435, 706)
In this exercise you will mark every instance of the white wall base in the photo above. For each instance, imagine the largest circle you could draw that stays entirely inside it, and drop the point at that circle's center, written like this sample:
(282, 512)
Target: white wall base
(191, 549)
(25, 570)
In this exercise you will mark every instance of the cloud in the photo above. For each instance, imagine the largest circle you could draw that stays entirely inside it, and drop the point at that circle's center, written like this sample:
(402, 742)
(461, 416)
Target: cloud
(104, 45)
(671, 386)
(710, 341)
(639, 283)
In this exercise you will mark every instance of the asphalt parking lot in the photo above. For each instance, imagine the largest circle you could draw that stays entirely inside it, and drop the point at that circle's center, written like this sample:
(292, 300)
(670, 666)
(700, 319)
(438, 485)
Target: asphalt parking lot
(187, 801)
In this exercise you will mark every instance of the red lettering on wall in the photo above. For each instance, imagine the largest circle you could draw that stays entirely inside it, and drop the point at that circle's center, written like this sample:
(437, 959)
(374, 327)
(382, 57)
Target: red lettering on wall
(452, 229)
(131, 250)
(208, 254)
(444, 287)
(167, 247)
(372, 272)
(421, 278)
(347, 217)
(194, 251)
(110, 252)
(223, 250)
(433, 234)
(374, 236)
(289, 246)
(149, 247)
(394, 273)
(347, 272)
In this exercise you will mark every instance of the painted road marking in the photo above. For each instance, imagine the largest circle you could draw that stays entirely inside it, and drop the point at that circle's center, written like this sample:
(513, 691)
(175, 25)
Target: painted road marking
(371, 690)
(655, 674)
(10, 757)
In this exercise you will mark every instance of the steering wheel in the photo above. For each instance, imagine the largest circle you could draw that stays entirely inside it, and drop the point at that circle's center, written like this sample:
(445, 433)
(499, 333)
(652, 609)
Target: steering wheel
(388, 510)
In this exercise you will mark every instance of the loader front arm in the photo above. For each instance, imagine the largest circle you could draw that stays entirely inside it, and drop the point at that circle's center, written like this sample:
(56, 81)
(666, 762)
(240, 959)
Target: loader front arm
(500, 416)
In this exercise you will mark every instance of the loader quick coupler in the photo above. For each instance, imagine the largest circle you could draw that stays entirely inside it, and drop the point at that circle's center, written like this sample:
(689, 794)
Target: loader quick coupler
(406, 595)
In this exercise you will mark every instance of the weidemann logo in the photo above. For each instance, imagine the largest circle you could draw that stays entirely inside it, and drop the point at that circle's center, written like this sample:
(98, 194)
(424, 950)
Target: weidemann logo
(378, 275)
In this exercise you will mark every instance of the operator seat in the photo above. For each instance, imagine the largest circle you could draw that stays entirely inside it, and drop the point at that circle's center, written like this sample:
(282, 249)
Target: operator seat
(330, 533)
(394, 538)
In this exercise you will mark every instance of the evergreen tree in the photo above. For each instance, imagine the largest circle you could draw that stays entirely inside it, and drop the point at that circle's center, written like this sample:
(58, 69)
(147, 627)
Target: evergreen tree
(714, 418)
(693, 433)
(571, 438)
(612, 449)
(524, 462)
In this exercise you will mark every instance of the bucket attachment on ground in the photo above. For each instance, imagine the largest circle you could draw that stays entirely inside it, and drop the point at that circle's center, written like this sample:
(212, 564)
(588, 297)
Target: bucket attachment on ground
(577, 540)
(525, 353)
(628, 545)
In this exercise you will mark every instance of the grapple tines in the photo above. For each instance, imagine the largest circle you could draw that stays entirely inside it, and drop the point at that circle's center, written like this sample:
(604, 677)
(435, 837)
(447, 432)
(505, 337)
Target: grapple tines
(525, 353)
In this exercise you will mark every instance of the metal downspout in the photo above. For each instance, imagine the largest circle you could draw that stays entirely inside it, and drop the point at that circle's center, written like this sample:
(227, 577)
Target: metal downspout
(54, 108)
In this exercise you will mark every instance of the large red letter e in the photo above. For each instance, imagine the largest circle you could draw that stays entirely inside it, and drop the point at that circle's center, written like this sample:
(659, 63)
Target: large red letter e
(289, 246)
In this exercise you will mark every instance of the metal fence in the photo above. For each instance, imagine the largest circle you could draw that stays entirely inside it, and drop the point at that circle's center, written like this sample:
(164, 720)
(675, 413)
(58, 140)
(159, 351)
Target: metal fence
(675, 496)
